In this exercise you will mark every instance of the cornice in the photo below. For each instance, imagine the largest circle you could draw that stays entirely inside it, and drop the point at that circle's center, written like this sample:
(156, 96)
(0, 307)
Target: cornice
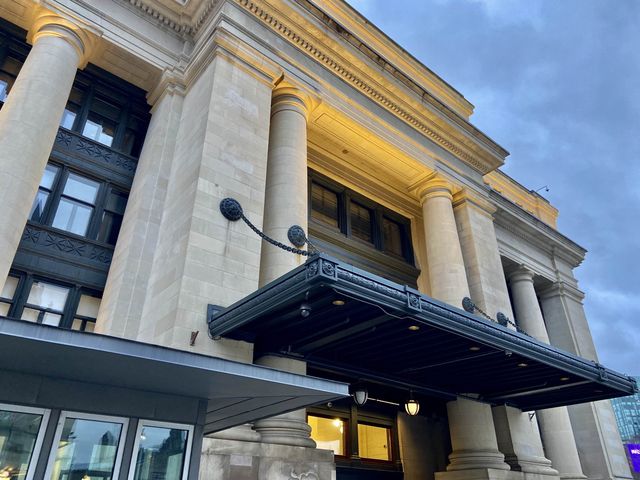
(182, 21)
(522, 224)
(482, 157)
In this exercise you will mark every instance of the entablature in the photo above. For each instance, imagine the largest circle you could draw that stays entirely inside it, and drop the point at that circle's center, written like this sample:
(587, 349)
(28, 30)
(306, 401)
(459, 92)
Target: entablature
(533, 231)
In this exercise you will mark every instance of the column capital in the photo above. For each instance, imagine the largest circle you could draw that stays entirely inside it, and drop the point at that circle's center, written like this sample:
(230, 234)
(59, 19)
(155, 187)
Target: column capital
(433, 186)
(470, 197)
(521, 274)
(289, 97)
(49, 24)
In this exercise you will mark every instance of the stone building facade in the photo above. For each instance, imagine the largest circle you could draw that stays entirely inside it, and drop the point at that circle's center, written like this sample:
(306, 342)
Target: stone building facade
(129, 121)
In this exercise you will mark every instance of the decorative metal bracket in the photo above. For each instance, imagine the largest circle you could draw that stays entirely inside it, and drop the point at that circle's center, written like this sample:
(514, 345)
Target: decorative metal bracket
(232, 211)
(501, 318)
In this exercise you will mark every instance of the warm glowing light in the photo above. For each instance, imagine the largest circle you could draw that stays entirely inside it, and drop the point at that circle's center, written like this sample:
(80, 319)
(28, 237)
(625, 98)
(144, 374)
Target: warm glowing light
(564, 379)
(338, 303)
(412, 407)
(474, 349)
(414, 328)
(522, 364)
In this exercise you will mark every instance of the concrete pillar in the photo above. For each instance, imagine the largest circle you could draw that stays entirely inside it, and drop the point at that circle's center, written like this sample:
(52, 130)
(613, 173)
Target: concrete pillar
(30, 118)
(473, 436)
(200, 257)
(555, 426)
(290, 428)
(487, 283)
(444, 255)
(598, 440)
(285, 201)
(128, 280)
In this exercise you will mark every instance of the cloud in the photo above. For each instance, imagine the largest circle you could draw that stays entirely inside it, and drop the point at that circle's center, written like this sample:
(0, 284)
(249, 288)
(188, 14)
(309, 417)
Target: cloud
(556, 83)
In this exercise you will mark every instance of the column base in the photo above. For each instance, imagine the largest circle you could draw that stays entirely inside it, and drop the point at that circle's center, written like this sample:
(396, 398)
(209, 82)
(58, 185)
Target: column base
(573, 476)
(285, 431)
(479, 474)
(472, 460)
(531, 464)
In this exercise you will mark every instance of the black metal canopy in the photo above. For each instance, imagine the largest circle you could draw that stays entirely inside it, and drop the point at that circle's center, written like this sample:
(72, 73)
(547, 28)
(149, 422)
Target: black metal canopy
(344, 320)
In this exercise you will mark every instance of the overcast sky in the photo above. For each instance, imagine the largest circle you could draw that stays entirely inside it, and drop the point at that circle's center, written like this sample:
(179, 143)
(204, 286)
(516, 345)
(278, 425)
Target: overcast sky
(557, 83)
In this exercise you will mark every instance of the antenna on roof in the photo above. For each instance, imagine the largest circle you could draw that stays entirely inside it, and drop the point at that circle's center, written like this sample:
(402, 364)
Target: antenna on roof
(545, 188)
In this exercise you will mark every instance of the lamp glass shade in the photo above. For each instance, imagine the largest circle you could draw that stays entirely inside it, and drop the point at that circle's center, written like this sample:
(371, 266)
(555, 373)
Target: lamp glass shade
(360, 396)
(412, 407)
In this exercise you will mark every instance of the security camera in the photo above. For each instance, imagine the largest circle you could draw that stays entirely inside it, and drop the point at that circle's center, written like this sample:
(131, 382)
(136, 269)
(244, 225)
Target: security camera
(305, 310)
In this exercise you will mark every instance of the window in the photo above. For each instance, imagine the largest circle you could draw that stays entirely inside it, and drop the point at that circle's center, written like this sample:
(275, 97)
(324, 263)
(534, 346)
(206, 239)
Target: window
(75, 203)
(46, 301)
(87, 446)
(374, 442)
(161, 450)
(8, 72)
(324, 205)
(334, 208)
(365, 436)
(85, 318)
(21, 433)
(329, 433)
(105, 109)
(7, 295)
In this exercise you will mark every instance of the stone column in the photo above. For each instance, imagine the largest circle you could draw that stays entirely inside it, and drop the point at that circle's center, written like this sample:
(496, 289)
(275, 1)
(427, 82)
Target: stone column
(487, 284)
(29, 121)
(444, 256)
(290, 428)
(602, 454)
(286, 188)
(128, 281)
(555, 426)
(285, 205)
(473, 437)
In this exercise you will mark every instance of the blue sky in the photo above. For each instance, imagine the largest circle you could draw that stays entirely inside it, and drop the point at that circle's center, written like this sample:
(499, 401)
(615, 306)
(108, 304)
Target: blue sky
(557, 83)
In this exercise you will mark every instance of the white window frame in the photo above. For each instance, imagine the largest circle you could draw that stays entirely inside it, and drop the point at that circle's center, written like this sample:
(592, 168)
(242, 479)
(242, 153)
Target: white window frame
(37, 446)
(153, 423)
(88, 416)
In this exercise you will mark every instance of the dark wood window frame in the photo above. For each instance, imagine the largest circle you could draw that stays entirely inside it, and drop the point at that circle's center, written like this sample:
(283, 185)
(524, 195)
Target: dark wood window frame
(23, 289)
(351, 417)
(378, 213)
(56, 193)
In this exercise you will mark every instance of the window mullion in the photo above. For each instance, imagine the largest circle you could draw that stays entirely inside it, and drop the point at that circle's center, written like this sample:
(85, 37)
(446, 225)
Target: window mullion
(98, 211)
(376, 229)
(83, 114)
(121, 126)
(70, 307)
(345, 214)
(20, 297)
(354, 448)
(56, 193)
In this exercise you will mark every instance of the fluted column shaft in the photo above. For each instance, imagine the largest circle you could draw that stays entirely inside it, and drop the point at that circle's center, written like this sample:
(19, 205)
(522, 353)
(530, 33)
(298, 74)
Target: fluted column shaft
(286, 186)
(29, 122)
(444, 255)
(555, 426)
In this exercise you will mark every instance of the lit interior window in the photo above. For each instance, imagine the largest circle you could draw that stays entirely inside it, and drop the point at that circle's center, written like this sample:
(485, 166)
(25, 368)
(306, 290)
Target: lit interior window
(328, 433)
(374, 442)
